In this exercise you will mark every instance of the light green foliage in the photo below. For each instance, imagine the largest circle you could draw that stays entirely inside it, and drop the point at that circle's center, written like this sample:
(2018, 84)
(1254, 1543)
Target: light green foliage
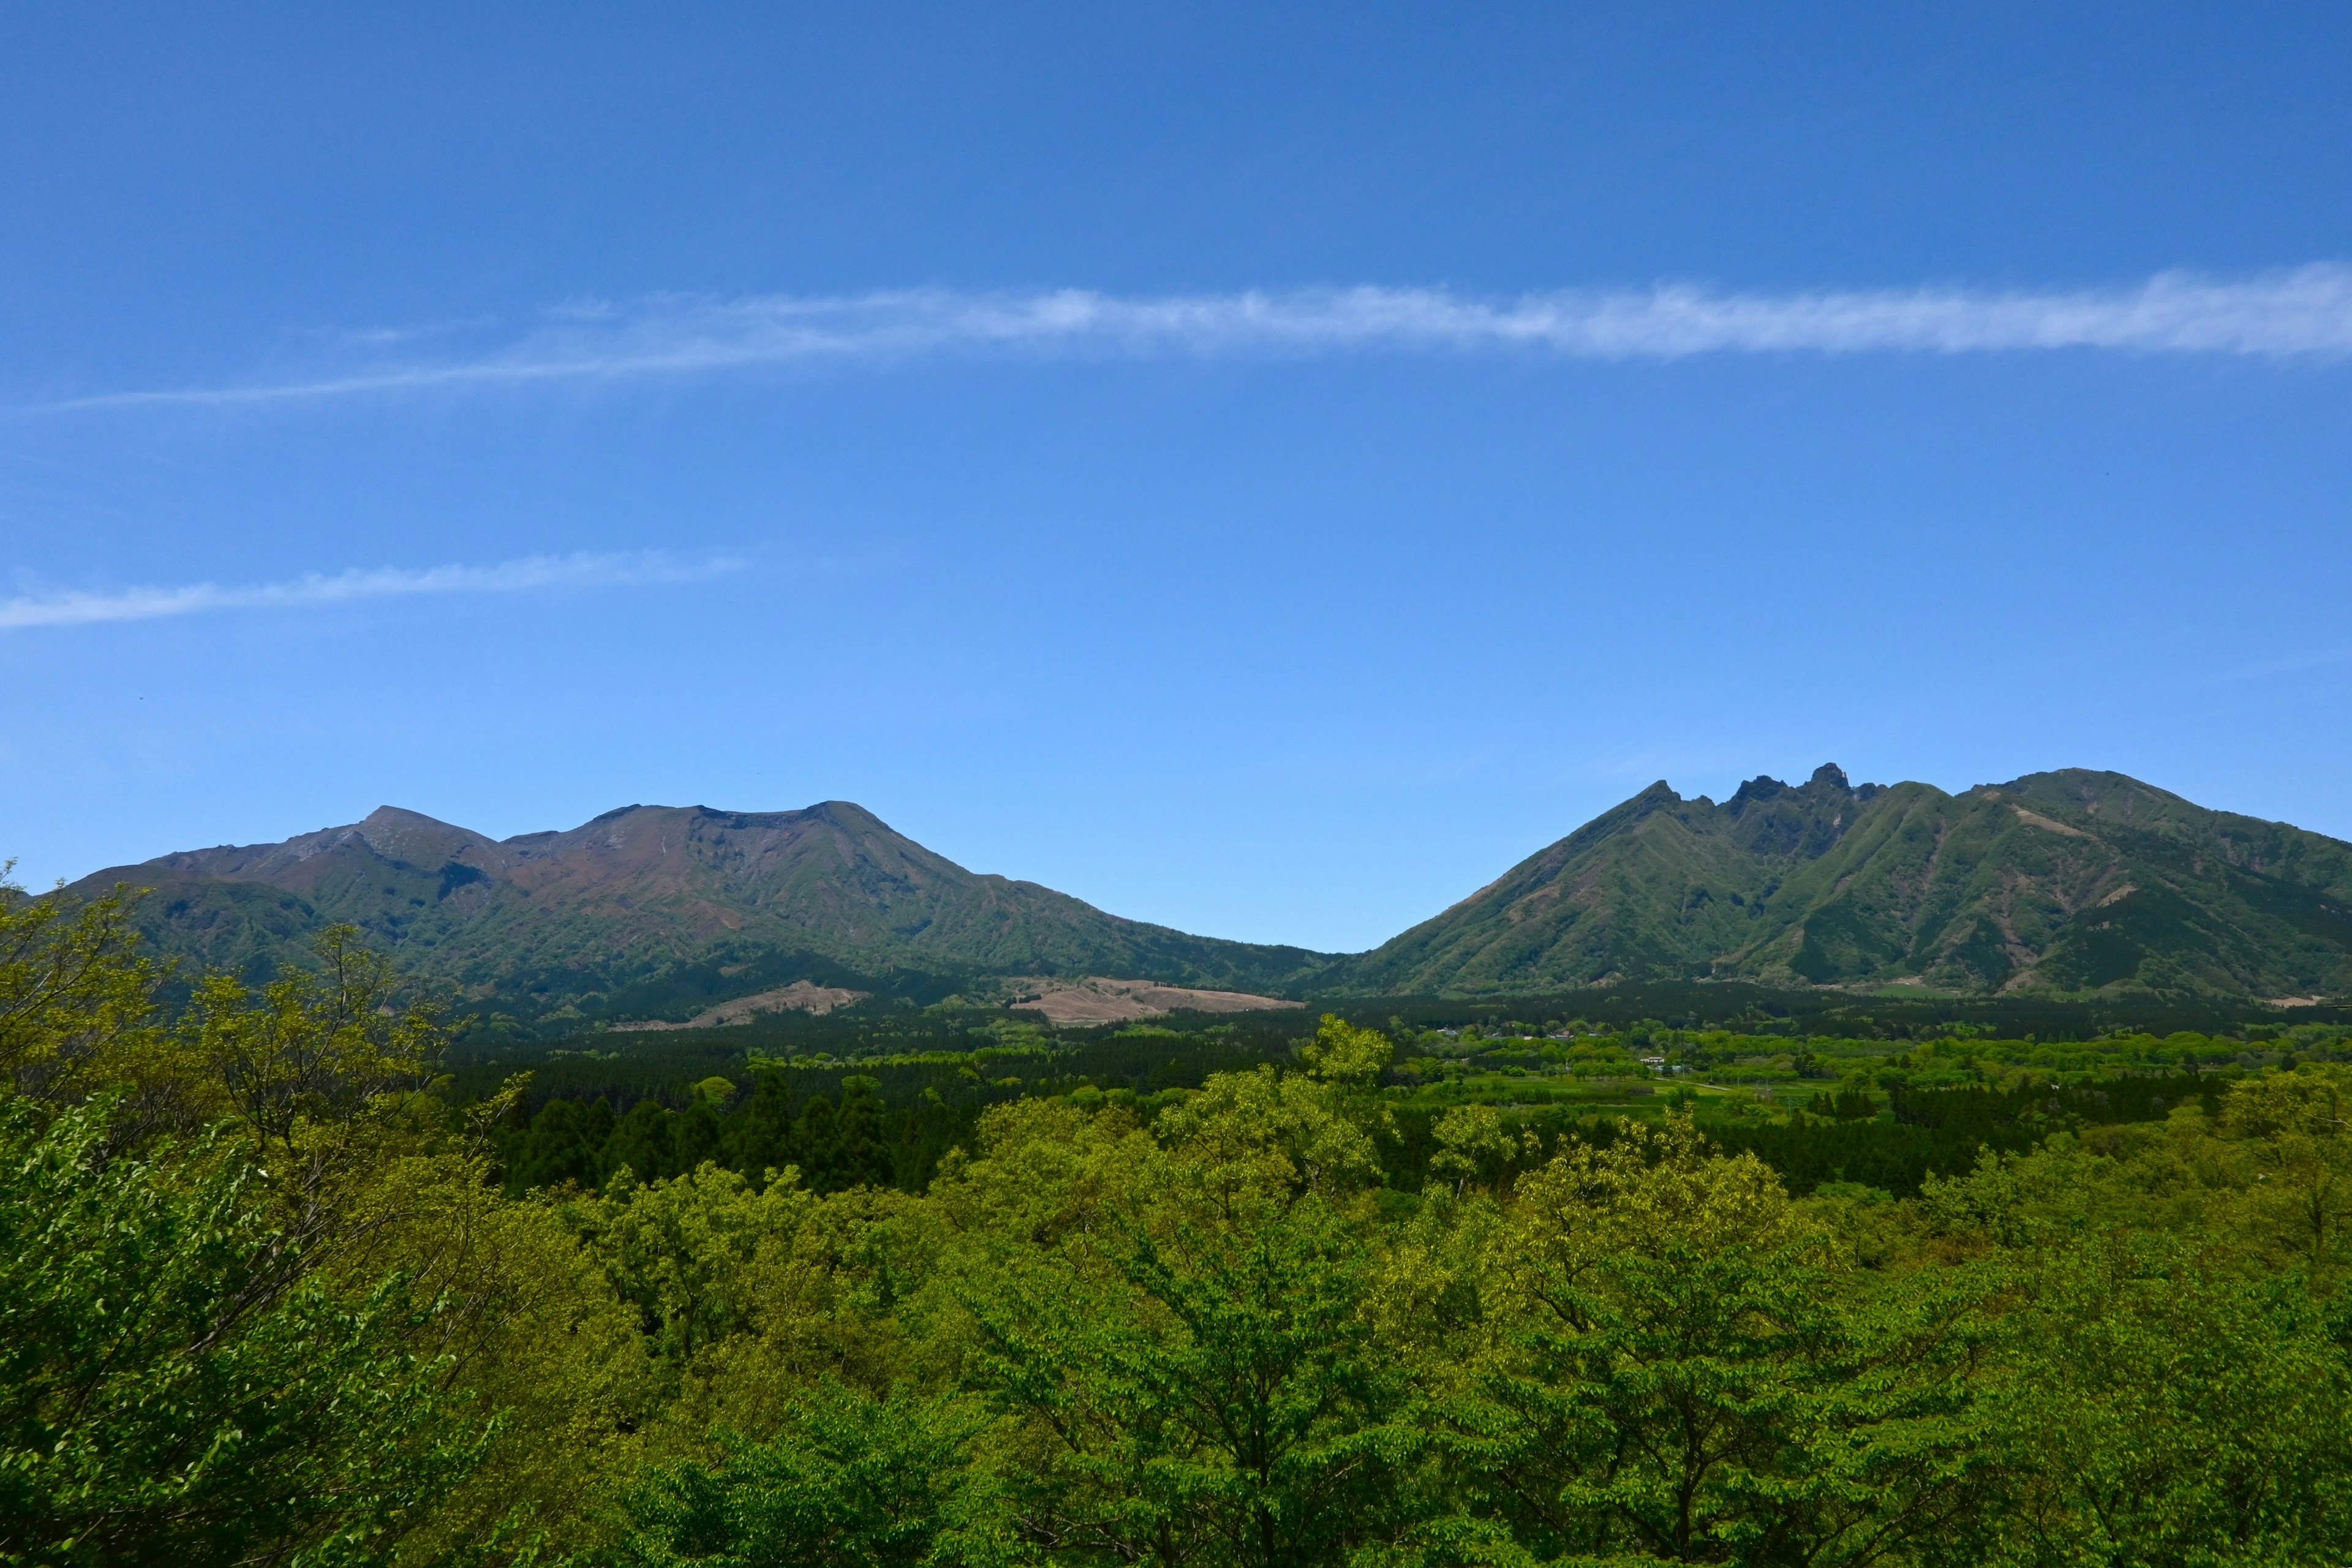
(1183, 1350)
(1342, 1053)
(2298, 1130)
(743, 1300)
(1681, 1367)
(2165, 1407)
(1265, 1128)
(75, 995)
(313, 1053)
(175, 1385)
(1472, 1145)
(528, 1326)
(847, 1482)
(682, 1251)
(296, 1333)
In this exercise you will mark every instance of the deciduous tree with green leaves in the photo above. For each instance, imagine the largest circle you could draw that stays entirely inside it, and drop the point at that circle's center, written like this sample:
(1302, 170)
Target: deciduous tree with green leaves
(1187, 1364)
(177, 1387)
(849, 1481)
(1682, 1367)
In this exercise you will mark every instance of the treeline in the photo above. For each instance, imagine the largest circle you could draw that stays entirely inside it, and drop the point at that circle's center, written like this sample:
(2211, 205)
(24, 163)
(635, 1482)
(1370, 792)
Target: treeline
(843, 1127)
(1944, 1131)
(904, 1053)
(912, 1011)
(1763, 1010)
(1894, 1144)
(662, 1111)
(266, 1297)
(867, 1122)
(854, 1141)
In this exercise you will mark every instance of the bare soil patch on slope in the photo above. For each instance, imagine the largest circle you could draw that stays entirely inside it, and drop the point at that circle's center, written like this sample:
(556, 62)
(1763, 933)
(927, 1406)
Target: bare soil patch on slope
(1099, 999)
(801, 995)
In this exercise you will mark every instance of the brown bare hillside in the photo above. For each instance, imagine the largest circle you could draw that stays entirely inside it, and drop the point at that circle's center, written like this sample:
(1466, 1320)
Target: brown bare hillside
(1098, 999)
(801, 996)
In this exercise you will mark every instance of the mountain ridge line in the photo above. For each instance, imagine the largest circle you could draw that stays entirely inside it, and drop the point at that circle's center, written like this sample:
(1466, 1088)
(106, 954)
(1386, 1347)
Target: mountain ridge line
(2075, 880)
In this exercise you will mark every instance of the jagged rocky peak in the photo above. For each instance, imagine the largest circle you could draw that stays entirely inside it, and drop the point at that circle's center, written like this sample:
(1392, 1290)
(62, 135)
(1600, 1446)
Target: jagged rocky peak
(1773, 818)
(1828, 780)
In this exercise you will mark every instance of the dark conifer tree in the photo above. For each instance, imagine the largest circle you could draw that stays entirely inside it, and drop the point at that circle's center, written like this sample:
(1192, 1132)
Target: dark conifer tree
(644, 1142)
(862, 1155)
(760, 1134)
(558, 1148)
(596, 1124)
(697, 1137)
(817, 1140)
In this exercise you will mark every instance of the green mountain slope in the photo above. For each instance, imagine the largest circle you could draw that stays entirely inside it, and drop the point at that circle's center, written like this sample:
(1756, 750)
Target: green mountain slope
(596, 916)
(2073, 880)
(2068, 881)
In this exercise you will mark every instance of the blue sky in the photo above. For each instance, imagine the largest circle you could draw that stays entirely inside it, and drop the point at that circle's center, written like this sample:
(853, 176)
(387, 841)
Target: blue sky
(1261, 470)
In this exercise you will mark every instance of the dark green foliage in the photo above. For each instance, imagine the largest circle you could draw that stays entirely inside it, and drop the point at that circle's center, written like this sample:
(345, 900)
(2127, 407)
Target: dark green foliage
(855, 1142)
(1928, 1133)
(905, 1052)
(1919, 1120)
(644, 1142)
(694, 1137)
(763, 1134)
(1899, 1015)
(854, 1151)
(1942, 1132)
(567, 1142)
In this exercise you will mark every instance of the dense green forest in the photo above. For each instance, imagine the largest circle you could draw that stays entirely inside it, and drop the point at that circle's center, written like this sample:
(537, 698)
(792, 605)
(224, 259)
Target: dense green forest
(304, 1273)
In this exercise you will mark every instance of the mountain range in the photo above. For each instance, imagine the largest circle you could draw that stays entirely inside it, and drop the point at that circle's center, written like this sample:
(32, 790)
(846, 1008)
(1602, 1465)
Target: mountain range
(651, 908)
(2070, 881)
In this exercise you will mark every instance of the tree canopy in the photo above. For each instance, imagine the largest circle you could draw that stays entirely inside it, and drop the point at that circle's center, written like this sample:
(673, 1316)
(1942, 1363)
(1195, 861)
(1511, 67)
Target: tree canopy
(270, 1293)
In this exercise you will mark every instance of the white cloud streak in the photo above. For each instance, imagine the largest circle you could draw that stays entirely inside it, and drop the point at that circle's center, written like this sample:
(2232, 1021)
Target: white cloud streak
(2306, 311)
(76, 609)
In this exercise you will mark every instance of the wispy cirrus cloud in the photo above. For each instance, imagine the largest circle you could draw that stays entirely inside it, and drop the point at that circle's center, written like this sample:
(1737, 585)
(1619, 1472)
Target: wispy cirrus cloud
(2304, 311)
(77, 608)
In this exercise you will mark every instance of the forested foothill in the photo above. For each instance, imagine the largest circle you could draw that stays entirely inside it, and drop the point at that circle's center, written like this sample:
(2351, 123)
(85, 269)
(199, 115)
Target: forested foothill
(310, 1271)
